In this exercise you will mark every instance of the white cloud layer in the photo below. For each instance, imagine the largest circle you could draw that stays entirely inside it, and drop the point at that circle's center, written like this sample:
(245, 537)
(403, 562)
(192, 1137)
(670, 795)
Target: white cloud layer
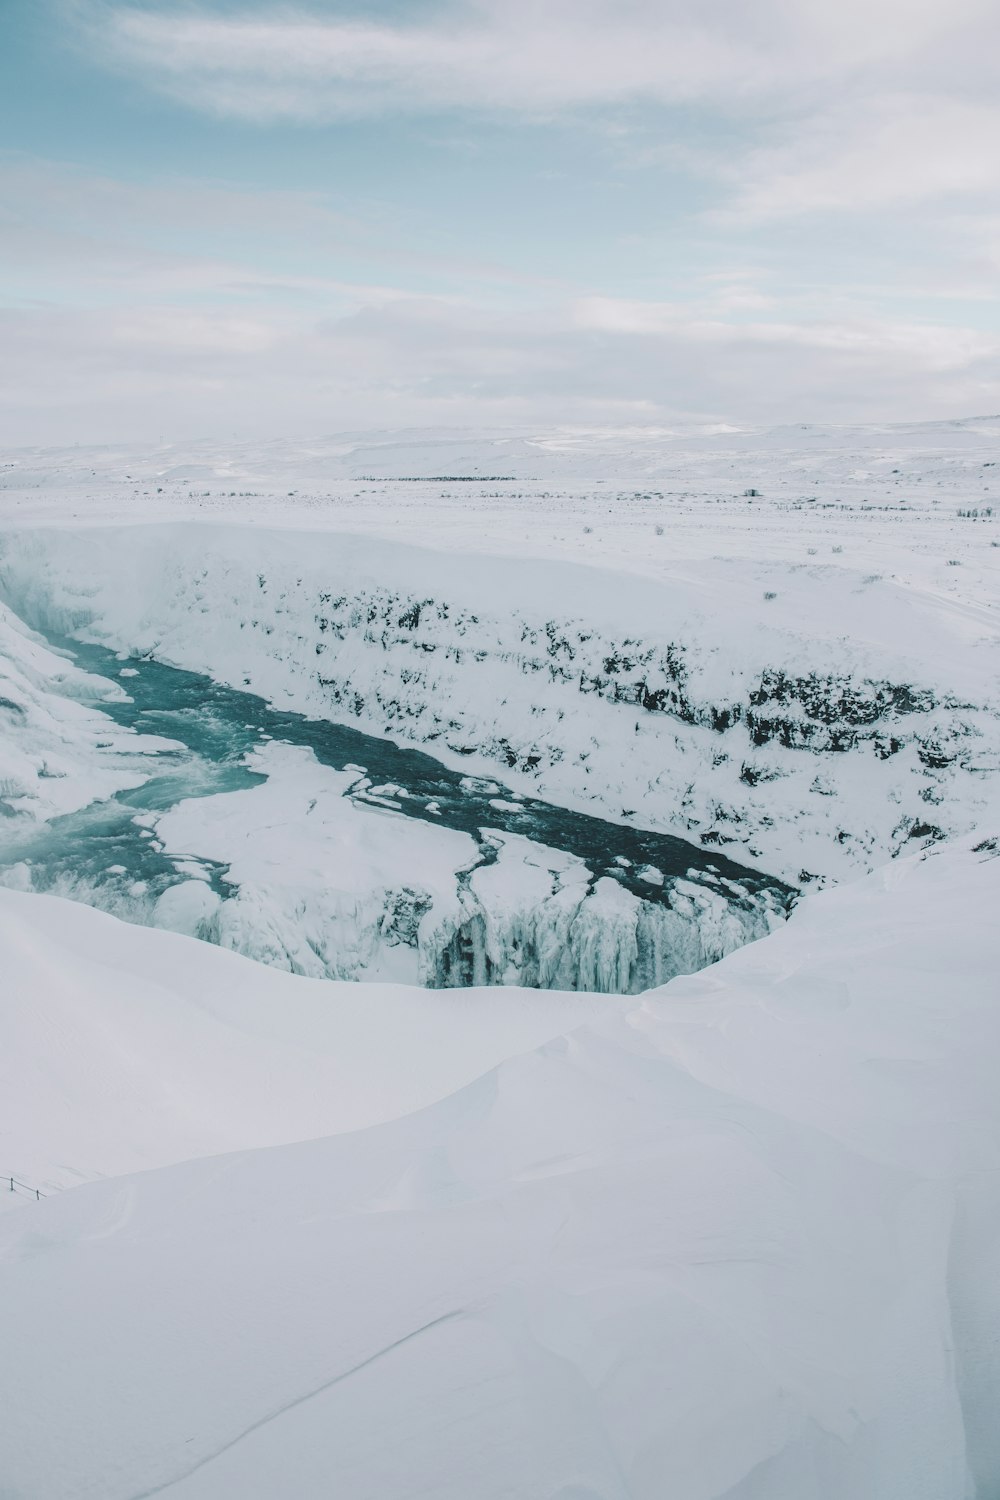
(536, 55)
(891, 151)
(839, 256)
(144, 371)
(853, 106)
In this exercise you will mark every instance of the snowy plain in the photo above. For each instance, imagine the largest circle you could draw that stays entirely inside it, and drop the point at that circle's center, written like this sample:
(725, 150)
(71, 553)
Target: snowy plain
(734, 1239)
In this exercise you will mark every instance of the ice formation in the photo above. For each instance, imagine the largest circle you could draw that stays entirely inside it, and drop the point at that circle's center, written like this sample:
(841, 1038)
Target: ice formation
(299, 874)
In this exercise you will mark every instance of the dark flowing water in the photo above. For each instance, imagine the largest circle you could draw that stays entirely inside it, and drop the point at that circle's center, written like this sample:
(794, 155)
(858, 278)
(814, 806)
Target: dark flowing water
(217, 727)
(109, 855)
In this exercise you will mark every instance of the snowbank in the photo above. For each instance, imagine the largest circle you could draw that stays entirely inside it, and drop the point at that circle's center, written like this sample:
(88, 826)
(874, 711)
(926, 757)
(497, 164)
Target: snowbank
(126, 1048)
(738, 1243)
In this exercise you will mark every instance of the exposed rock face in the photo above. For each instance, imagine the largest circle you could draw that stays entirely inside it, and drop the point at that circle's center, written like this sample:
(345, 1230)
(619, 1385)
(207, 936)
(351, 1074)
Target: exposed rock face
(820, 712)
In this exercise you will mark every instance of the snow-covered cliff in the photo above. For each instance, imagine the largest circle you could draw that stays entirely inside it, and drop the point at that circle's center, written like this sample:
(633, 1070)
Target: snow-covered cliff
(327, 884)
(272, 853)
(813, 735)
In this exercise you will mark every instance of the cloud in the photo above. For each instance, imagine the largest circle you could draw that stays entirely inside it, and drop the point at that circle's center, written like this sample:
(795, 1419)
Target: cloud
(524, 55)
(121, 333)
(802, 106)
(139, 372)
(85, 234)
(192, 306)
(886, 153)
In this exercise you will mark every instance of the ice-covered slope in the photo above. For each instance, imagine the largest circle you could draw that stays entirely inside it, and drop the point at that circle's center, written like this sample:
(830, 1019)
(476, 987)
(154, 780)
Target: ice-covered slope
(815, 732)
(126, 1048)
(738, 1244)
(57, 751)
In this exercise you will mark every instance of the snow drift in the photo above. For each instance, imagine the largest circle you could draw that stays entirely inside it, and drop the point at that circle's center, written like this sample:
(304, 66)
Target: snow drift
(736, 1243)
(126, 1048)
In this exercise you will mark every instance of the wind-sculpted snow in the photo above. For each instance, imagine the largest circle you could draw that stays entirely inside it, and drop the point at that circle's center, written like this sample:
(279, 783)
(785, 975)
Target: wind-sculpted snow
(808, 752)
(737, 1242)
(126, 1048)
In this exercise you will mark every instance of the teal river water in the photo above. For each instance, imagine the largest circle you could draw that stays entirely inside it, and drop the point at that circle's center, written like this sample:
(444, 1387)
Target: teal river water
(217, 726)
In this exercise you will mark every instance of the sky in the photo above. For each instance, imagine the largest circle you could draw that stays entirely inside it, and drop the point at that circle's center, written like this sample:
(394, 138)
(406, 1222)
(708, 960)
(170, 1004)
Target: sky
(237, 218)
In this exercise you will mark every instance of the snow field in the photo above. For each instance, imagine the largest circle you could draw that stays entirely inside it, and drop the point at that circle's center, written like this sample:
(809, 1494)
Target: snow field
(733, 1241)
